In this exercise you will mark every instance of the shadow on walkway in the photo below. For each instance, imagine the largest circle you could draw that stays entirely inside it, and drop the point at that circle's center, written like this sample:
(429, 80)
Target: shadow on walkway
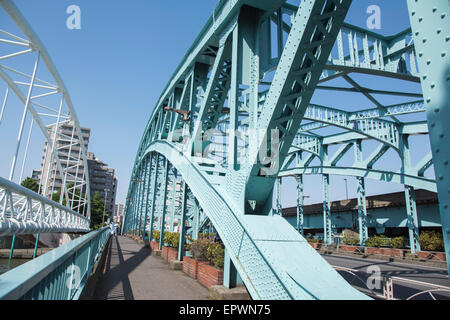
(132, 273)
(117, 271)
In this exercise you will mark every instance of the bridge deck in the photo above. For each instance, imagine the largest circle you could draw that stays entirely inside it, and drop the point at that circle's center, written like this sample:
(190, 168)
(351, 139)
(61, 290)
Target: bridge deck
(133, 274)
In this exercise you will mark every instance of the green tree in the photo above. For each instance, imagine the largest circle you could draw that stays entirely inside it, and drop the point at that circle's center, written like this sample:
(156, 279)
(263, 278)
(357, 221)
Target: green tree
(97, 207)
(31, 184)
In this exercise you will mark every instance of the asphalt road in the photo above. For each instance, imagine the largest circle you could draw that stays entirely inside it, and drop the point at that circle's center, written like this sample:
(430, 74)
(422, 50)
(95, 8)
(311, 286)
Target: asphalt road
(364, 268)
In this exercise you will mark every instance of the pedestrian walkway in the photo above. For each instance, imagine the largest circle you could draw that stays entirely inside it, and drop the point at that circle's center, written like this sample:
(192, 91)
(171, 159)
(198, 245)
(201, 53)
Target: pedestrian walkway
(133, 274)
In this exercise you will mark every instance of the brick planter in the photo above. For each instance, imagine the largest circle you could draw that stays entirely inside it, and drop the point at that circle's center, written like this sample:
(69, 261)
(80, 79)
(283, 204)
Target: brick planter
(169, 253)
(431, 255)
(208, 275)
(315, 245)
(172, 254)
(164, 252)
(190, 267)
(391, 252)
(347, 248)
(154, 245)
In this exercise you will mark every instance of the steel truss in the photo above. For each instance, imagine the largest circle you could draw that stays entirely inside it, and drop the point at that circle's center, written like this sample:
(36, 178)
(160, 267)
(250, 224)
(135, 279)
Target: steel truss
(51, 109)
(234, 119)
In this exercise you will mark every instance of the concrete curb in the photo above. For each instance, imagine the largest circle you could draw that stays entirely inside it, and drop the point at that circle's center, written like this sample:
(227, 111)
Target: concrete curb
(223, 293)
(176, 265)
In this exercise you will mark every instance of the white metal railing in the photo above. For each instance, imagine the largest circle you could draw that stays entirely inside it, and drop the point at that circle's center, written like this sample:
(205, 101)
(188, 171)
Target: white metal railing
(23, 211)
(42, 101)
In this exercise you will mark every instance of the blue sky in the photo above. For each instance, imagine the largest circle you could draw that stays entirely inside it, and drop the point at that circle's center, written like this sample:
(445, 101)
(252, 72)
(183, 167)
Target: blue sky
(116, 66)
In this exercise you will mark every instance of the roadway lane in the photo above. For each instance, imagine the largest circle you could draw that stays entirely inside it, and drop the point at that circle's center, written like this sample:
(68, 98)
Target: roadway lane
(402, 290)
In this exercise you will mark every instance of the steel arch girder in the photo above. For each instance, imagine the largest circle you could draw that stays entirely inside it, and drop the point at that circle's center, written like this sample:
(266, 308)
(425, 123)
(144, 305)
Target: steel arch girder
(261, 247)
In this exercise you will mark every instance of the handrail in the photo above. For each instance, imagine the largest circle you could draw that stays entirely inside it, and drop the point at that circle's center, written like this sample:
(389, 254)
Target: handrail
(31, 194)
(60, 274)
(23, 211)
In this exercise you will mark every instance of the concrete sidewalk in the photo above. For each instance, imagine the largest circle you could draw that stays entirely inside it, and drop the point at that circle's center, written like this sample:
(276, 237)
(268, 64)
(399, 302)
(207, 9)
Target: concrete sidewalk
(131, 273)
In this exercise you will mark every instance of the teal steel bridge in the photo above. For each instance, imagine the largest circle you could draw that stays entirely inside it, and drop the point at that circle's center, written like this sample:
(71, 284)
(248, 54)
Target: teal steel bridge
(235, 119)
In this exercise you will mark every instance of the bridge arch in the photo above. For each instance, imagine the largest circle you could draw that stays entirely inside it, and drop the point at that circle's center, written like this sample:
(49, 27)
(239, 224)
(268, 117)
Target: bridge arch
(268, 252)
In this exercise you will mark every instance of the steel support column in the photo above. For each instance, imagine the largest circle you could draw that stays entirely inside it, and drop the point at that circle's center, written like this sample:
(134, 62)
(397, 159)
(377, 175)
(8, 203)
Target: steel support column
(138, 202)
(232, 156)
(147, 193)
(231, 277)
(133, 209)
(278, 206)
(300, 203)
(173, 195)
(327, 238)
(430, 24)
(195, 220)
(164, 205)
(182, 221)
(362, 211)
(135, 205)
(143, 194)
(413, 222)
(154, 187)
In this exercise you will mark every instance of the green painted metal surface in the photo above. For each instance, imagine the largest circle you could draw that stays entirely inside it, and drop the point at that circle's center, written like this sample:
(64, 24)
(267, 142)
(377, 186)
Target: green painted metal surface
(245, 130)
(60, 274)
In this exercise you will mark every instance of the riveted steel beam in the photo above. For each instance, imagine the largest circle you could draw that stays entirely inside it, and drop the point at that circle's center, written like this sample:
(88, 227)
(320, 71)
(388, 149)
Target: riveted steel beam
(413, 221)
(307, 49)
(431, 32)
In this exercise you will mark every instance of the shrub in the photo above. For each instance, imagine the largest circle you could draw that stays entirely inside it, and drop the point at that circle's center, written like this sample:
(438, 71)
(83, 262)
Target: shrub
(351, 241)
(206, 235)
(171, 239)
(96, 227)
(378, 241)
(398, 242)
(199, 249)
(204, 249)
(156, 235)
(187, 243)
(216, 254)
(431, 241)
